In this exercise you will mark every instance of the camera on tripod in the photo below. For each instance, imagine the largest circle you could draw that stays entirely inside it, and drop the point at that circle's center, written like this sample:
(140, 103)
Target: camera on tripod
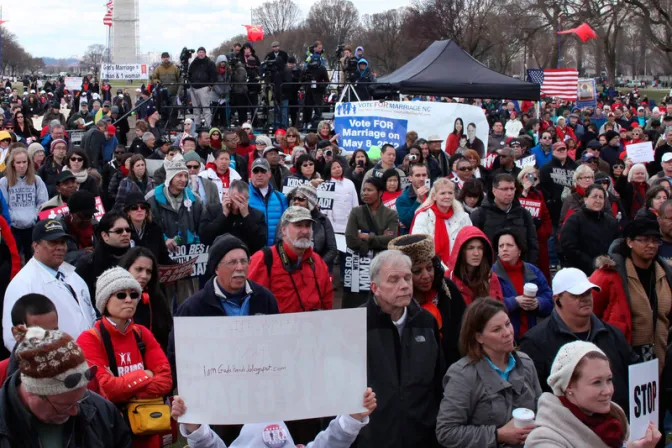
(349, 64)
(186, 55)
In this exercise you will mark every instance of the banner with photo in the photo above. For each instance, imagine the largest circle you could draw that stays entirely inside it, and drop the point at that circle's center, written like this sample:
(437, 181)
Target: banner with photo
(586, 95)
(374, 123)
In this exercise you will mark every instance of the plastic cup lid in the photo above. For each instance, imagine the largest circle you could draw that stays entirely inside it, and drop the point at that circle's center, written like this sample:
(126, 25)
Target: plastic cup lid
(523, 414)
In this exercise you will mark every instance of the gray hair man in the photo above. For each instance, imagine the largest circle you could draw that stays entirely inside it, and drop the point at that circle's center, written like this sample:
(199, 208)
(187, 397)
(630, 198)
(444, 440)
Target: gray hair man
(405, 360)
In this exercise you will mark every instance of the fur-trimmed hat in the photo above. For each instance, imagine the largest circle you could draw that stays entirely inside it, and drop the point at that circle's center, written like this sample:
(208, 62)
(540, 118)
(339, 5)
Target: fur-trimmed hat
(46, 358)
(420, 248)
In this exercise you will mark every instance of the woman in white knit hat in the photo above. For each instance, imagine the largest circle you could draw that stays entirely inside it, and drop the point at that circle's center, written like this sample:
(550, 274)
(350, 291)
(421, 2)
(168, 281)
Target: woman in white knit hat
(135, 365)
(580, 411)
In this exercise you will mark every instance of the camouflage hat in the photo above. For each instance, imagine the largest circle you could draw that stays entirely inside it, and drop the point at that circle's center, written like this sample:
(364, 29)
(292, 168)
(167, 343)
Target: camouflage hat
(295, 214)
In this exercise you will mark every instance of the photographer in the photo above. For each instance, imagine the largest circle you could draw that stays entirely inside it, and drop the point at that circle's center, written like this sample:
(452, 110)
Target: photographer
(239, 100)
(315, 81)
(252, 64)
(202, 75)
(364, 88)
(276, 54)
(290, 92)
(222, 91)
(167, 76)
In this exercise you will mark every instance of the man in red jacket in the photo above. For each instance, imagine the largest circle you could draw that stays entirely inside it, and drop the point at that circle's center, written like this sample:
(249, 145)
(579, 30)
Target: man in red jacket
(296, 275)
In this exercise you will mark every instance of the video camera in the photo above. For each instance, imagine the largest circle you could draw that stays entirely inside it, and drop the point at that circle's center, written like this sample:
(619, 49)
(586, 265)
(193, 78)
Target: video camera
(186, 55)
(349, 64)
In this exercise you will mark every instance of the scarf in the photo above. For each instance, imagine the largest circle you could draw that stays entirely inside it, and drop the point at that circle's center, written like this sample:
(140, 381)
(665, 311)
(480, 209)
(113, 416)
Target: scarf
(607, 427)
(428, 301)
(639, 195)
(581, 192)
(82, 234)
(441, 238)
(80, 177)
(516, 275)
(175, 202)
(124, 170)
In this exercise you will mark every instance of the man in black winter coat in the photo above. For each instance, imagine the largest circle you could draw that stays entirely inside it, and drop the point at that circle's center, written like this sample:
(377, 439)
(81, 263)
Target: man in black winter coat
(554, 177)
(502, 210)
(572, 320)
(236, 218)
(202, 75)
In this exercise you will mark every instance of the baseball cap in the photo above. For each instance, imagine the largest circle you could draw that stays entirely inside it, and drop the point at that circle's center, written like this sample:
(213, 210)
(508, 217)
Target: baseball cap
(667, 157)
(111, 130)
(296, 214)
(63, 176)
(261, 163)
(273, 148)
(586, 157)
(165, 54)
(515, 141)
(49, 230)
(573, 281)
(246, 126)
(275, 44)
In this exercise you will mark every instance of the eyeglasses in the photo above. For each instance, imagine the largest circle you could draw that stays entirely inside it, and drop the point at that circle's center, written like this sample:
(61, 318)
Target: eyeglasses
(545, 138)
(121, 295)
(593, 160)
(137, 207)
(602, 182)
(77, 403)
(619, 166)
(299, 199)
(465, 168)
(194, 167)
(585, 178)
(121, 230)
(649, 241)
(291, 135)
(106, 105)
(233, 263)
(76, 159)
(119, 152)
(305, 165)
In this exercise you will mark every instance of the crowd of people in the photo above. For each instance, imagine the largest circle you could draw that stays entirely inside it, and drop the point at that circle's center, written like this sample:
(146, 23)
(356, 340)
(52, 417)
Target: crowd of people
(528, 272)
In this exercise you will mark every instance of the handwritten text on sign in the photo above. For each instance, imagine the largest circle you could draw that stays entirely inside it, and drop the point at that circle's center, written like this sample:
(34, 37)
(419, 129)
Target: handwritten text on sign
(644, 389)
(640, 152)
(186, 252)
(271, 368)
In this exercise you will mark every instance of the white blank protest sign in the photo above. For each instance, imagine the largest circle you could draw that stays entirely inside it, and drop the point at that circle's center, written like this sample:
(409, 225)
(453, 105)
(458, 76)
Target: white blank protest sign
(644, 390)
(237, 370)
(640, 152)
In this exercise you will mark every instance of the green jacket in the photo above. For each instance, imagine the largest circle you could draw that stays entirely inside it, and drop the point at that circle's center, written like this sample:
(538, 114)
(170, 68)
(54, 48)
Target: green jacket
(169, 76)
(385, 219)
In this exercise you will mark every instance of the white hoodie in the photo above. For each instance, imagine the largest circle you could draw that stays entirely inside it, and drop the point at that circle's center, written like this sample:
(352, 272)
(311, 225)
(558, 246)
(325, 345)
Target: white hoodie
(24, 200)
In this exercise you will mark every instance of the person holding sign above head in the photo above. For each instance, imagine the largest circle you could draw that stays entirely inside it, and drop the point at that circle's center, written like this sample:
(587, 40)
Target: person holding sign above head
(130, 364)
(324, 240)
(297, 276)
(580, 411)
(341, 432)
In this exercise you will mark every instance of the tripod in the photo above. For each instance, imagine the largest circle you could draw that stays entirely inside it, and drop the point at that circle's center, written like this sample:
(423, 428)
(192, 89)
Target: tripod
(350, 90)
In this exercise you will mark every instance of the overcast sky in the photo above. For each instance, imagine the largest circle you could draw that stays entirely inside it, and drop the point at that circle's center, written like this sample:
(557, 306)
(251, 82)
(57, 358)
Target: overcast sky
(64, 29)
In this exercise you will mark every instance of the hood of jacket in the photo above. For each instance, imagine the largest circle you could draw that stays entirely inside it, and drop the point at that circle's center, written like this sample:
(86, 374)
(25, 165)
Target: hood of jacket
(358, 49)
(221, 58)
(464, 235)
(363, 61)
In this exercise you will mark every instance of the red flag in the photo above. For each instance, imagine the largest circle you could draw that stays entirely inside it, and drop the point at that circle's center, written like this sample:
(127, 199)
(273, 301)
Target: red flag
(254, 32)
(107, 19)
(583, 31)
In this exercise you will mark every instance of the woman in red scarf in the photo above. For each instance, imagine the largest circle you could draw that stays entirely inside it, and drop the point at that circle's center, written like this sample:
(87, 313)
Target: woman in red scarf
(392, 182)
(632, 187)
(442, 217)
(580, 412)
(215, 138)
(292, 140)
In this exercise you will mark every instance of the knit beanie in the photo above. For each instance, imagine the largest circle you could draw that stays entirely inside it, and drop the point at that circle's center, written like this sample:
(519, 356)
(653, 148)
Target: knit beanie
(309, 192)
(172, 168)
(33, 149)
(46, 358)
(264, 139)
(419, 248)
(55, 142)
(192, 156)
(113, 280)
(565, 362)
(223, 245)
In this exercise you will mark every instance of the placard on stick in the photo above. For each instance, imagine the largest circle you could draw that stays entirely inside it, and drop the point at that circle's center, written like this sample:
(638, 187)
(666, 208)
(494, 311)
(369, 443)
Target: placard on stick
(644, 390)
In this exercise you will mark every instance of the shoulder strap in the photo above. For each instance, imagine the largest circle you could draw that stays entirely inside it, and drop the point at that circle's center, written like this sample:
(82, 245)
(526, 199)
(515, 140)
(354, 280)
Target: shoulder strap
(268, 261)
(141, 344)
(107, 342)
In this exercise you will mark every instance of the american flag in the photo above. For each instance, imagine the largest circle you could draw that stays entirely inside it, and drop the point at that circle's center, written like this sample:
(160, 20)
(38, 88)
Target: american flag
(107, 19)
(556, 82)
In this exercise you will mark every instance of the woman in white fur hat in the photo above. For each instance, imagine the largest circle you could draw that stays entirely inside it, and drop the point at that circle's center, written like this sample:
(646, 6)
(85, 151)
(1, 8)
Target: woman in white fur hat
(580, 411)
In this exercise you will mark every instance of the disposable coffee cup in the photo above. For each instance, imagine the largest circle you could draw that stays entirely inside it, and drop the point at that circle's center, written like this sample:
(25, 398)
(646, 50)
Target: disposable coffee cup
(522, 417)
(530, 290)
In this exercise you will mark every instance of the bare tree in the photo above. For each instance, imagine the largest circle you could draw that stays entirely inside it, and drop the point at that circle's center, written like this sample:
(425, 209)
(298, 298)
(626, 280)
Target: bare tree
(385, 38)
(277, 16)
(334, 19)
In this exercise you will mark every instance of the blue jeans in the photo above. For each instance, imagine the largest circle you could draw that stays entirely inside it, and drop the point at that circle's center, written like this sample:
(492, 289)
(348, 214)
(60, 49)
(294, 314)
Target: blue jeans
(552, 252)
(282, 113)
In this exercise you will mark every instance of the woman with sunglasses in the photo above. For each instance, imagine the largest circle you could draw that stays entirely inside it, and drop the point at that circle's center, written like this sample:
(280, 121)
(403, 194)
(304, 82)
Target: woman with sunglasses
(532, 198)
(114, 344)
(305, 167)
(215, 138)
(144, 231)
(112, 239)
(77, 162)
(152, 311)
(23, 129)
(137, 180)
(292, 140)
(24, 192)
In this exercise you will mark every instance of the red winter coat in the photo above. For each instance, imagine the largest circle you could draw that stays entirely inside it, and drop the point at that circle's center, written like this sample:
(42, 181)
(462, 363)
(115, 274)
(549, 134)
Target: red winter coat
(314, 289)
(611, 303)
(467, 233)
(536, 205)
(8, 237)
(134, 382)
(565, 132)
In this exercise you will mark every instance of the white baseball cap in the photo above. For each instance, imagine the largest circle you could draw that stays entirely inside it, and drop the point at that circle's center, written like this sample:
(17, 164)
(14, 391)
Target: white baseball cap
(246, 126)
(667, 157)
(573, 281)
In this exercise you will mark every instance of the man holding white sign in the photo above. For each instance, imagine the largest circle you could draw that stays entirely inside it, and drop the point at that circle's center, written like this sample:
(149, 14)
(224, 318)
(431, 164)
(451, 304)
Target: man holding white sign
(405, 359)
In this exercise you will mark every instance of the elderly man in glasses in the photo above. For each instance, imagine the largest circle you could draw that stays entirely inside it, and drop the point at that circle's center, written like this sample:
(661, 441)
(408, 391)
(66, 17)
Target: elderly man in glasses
(41, 405)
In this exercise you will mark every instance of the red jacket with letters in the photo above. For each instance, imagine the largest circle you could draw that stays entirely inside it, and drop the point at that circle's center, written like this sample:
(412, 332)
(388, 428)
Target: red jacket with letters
(313, 283)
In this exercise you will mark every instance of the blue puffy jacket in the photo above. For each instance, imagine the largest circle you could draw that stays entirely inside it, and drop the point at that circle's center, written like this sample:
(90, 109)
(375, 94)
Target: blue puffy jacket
(273, 206)
(532, 274)
(541, 156)
(407, 204)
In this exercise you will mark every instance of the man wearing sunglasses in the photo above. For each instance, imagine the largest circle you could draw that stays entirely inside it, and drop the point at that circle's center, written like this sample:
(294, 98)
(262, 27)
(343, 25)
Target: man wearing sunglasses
(543, 152)
(49, 404)
(594, 148)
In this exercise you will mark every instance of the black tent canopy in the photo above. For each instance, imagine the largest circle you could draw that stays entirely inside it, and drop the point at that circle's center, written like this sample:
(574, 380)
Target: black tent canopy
(444, 69)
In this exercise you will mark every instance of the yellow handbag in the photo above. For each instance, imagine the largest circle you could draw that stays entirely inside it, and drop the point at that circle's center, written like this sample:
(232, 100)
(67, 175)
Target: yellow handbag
(148, 416)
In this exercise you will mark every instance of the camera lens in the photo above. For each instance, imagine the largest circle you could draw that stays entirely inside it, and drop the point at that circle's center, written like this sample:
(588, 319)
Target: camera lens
(328, 153)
